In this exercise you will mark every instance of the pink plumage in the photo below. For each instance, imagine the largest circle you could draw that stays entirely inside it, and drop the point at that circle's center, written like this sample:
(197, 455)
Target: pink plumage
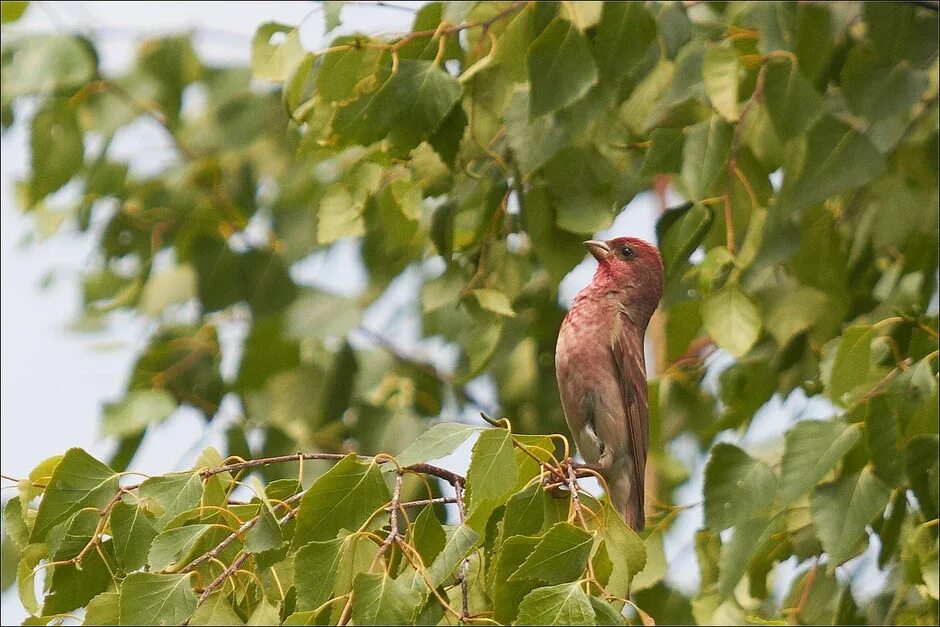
(601, 370)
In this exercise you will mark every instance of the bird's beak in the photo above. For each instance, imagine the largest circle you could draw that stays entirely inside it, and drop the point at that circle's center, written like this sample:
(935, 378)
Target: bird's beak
(599, 249)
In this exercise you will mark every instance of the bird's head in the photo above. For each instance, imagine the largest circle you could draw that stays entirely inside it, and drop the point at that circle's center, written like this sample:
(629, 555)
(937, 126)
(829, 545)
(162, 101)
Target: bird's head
(630, 266)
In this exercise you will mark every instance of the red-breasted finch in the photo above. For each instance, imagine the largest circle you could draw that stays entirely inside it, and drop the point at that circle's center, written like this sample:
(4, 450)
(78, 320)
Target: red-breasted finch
(601, 370)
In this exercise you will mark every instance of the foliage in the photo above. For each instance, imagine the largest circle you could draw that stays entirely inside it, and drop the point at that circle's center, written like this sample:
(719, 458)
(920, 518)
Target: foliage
(471, 156)
(179, 548)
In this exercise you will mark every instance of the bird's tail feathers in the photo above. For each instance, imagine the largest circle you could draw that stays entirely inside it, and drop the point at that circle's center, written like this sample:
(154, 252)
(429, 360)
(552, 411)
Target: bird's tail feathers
(625, 497)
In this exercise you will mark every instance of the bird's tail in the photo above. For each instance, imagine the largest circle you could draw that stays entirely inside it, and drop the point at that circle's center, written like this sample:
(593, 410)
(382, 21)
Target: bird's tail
(626, 497)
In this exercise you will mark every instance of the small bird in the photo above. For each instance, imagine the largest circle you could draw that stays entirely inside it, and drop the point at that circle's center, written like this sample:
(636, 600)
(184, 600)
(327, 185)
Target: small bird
(601, 370)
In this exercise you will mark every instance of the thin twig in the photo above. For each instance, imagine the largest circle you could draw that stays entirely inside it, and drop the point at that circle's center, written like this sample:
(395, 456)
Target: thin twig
(225, 574)
(247, 525)
(464, 563)
(440, 32)
(575, 499)
(393, 517)
(422, 502)
(427, 469)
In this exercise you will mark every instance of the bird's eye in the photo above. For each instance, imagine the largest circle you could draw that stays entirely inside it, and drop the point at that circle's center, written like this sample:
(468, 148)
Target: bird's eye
(627, 253)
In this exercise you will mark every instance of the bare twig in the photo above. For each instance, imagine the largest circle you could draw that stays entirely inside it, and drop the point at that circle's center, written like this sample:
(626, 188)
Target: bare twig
(441, 32)
(393, 517)
(575, 498)
(464, 563)
(225, 574)
(422, 502)
(427, 469)
(247, 525)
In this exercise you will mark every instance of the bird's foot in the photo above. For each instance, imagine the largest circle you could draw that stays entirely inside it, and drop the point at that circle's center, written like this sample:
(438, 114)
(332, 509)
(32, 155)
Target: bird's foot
(595, 467)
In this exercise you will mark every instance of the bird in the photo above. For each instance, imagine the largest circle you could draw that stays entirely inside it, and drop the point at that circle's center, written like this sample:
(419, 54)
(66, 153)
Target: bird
(601, 370)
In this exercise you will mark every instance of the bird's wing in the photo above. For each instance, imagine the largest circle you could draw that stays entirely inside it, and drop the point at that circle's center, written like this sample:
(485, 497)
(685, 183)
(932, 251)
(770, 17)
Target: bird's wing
(627, 352)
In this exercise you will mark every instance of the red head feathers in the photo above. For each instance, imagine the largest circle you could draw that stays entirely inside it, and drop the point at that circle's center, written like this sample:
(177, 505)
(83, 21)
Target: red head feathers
(634, 269)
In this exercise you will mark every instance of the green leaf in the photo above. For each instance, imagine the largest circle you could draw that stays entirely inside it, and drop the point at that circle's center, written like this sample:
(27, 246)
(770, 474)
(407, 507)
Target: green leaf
(171, 548)
(71, 586)
(343, 498)
(266, 534)
(56, 149)
(665, 152)
(68, 540)
(79, 481)
(409, 107)
(14, 526)
(605, 613)
(446, 139)
(922, 466)
(557, 250)
(508, 594)
(491, 477)
(533, 142)
(456, 12)
(148, 599)
(720, 71)
(626, 550)
(495, 301)
(812, 449)
(561, 68)
(316, 314)
(173, 285)
(902, 32)
(264, 614)
(843, 508)
(744, 388)
(679, 231)
(216, 610)
(705, 158)
(564, 604)
(274, 62)
(580, 184)
(316, 565)
(47, 65)
(749, 540)
(531, 511)
(26, 576)
(850, 366)
(876, 90)
(331, 13)
(836, 158)
(133, 530)
(380, 600)
(737, 487)
(792, 103)
(136, 411)
(439, 441)
(104, 609)
(584, 15)
(460, 545)
(624, 33)
(560, 555)
(512, 45)
(792, 310)
(427, 535)
(169, 495)
(732, 320)
(342, 69)
(12, 11)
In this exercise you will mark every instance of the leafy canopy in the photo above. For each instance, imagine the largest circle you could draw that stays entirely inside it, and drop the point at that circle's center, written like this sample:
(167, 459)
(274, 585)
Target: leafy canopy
(458, 167)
